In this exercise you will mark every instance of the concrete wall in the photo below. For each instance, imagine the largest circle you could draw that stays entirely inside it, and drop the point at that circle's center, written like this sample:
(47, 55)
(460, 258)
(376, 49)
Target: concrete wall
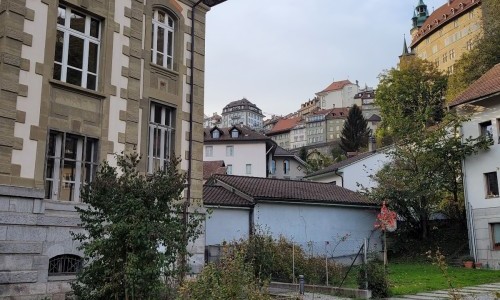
(253, 153)
(318, 223)
(227, 224)
(485, 210)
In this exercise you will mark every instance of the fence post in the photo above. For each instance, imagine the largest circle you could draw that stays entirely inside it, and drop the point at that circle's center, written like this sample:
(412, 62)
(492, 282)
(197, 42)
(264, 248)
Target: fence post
(365, 261)
(326, 262)
(301, 284)
(293, 261)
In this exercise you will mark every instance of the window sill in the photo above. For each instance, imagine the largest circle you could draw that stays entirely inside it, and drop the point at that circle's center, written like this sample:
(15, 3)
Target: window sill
(77, 89)
(492, 196)
(162, 70)
(61, 277)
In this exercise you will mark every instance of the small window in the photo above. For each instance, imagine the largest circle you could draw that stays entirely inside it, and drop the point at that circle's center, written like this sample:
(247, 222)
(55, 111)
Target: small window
(65, 264)
(452, 53)
(495, 235)
(248, 169)
(229, 170)
(486, 129)
(209, 151)
(491, 184)
(77, 48)
(286, 166)
(234, 133)
(273, 167)
(229, 151)
(215, 134)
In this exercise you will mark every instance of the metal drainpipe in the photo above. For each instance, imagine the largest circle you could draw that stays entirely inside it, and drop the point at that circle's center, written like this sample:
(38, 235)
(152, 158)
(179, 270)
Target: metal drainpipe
(341, 177)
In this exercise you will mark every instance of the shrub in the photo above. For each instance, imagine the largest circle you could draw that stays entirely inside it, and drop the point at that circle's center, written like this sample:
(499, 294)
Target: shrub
(230, 278)
(377, 279)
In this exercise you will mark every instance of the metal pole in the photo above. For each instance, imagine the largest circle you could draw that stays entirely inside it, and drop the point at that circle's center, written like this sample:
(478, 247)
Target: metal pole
(293, 261)
(301, 284)
(365, 260)
(326, 262)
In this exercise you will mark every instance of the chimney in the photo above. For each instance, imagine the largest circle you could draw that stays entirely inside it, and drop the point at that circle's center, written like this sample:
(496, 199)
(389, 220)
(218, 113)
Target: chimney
(372, 145)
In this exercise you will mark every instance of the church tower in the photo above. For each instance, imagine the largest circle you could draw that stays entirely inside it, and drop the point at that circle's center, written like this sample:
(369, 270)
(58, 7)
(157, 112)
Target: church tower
(420, 14)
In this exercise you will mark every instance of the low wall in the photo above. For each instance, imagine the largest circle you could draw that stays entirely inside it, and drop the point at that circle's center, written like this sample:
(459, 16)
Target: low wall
(308, 288)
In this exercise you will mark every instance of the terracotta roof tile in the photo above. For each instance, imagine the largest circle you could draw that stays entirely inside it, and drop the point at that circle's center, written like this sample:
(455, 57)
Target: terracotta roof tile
(213, 167)
(293, 191)
(487, 84)
(217, 195)
(336, 85)
(439, 15)
(285, 125)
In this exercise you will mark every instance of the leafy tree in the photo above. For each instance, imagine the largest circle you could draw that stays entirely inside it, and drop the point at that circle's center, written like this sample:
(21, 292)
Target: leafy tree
(337, 153)
(303, 153)
(355, 132)
(425, 176)
(410, 98)
(317, 161)
(134, 231)
(484, 55)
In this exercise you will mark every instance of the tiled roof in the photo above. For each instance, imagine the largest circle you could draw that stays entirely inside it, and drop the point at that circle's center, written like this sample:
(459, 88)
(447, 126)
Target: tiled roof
(246, 134)
(213, 167)
(336, 85)
(337, 113)
(443, 15)
(294, 191)
(486, 85)
(217, 195)
(284, 125)
(374, 118)
(341, 164)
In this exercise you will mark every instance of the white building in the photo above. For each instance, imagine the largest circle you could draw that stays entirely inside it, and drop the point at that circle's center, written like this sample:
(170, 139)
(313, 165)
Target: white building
(244, 151)
(339, 94)
(298, 136)
(214, 120)
(242, 112)
(309, 213)
(482, 170)
(286, 165)
(355, 172)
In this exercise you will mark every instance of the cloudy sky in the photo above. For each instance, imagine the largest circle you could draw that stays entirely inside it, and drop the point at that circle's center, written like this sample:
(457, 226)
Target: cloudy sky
(278, 53)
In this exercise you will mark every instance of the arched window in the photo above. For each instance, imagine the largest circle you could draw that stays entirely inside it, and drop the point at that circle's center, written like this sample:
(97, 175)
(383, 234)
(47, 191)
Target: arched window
(66, 264)
(286, 166)
(162, 44)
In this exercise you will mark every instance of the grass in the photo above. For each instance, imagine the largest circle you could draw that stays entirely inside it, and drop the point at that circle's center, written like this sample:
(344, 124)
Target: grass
(412, 278)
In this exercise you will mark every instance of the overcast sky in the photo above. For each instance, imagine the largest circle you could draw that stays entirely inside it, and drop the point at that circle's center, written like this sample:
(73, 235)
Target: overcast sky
(278, 53)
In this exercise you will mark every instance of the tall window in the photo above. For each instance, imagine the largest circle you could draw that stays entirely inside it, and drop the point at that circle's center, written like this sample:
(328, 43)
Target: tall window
(77, 48)
(66, 264)
(162, 43)
(229, 151)
(495, 234)
(486, 129)
(229, 170)
(286, 166)
(161, 136)
(71, 162)
(209, 151)
(248, 169)
(491, 184)
(273, 167)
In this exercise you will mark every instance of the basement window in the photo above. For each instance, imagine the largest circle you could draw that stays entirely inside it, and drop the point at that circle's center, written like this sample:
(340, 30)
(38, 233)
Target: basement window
(66, 264)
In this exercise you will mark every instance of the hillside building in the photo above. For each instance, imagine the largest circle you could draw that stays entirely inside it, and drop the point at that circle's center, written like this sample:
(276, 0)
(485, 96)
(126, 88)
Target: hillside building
(242, 112)
(339, 94)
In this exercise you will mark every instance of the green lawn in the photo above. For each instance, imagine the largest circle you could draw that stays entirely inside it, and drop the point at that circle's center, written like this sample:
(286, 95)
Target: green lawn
(412, 278)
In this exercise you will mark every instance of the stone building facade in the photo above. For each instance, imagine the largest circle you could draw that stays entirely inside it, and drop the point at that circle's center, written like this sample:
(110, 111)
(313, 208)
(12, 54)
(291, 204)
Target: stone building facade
(82, 80)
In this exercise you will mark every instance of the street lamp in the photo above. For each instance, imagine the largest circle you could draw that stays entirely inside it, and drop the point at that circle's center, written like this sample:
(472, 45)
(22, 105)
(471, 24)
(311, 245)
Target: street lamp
(209, 3)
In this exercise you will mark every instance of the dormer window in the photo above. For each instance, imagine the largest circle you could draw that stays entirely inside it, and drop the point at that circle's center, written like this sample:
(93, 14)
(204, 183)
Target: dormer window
(461, 5)
(215, 134)
(444, 16)
(235, 133)
(452, 11)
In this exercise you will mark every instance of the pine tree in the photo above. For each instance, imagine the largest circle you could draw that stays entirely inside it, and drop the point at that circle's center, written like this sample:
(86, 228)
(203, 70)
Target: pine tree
(355, 132)
(303, 153)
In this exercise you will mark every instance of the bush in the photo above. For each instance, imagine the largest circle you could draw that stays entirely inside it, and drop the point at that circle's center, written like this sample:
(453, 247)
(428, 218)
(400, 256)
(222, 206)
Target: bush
(377, 279)
(230, 278)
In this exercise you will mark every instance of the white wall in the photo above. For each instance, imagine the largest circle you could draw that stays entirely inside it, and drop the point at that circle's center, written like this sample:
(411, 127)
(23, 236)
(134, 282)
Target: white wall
(253, 153)
(227, 224)
(484, 211)
(306, 223)
(297, 171)
(341, 98)
(357, 175)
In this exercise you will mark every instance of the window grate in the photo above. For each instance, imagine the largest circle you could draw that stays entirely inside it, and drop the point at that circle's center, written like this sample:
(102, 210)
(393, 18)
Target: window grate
(66, 264)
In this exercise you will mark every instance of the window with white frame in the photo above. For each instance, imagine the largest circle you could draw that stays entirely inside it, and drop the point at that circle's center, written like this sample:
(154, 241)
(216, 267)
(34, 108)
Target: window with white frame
(491, 184)
(71, 162)
(229, 151)
(162, 43)
(235, 133)
(215, 134)
(229, 170)
(248, 169)
(495, 235)
(77, 48)
(209, 151)
(161, 136)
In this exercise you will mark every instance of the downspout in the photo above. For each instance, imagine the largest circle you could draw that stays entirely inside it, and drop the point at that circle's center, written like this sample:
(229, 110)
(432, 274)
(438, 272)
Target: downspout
(341, 177)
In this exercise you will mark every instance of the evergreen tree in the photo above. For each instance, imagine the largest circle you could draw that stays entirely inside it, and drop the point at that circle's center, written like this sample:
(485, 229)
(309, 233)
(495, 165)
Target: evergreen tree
(303, 153)
(355, 132)
(134, 232)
